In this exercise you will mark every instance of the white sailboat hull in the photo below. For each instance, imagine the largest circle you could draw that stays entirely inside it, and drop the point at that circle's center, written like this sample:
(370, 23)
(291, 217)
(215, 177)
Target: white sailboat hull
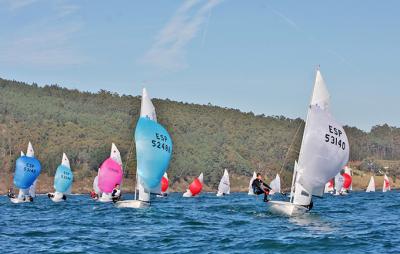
(285, 208)
(187, 194)
(17, 200)
(136, 204)
(105, 198)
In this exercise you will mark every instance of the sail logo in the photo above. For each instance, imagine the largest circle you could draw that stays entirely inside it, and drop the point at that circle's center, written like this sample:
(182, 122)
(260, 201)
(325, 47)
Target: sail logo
(160, 142)
(66, 175)
(333, 137)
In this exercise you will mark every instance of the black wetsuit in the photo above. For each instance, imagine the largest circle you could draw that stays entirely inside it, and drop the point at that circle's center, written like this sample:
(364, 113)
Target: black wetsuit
(259, 187)
(114, 195)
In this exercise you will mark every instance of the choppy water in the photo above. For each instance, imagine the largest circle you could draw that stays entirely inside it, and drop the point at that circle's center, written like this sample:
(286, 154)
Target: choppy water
(359, 223)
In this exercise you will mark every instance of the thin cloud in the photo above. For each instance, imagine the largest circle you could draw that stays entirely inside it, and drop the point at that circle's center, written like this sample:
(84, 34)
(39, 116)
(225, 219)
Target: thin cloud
(168, 52)
(15, 5)
(46, 41)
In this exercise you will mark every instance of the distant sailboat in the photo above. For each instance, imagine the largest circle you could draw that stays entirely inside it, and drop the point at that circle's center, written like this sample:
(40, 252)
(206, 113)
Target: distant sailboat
(324, 151)
(386, 184)
(329, 186)
(275, 185)
(371, 185)
(96, 188)
(346, 184)
(27, 170)
(164, 186)
(224, 187)
(195, 187)
(62, 181)
(251, 192)
(339, 180)
(153, 154)
(110, 174)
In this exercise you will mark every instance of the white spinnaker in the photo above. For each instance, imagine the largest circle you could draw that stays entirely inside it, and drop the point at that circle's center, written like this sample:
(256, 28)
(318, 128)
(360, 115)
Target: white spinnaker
(384, 188)
(276, 185)
(338, 182)
(224, 186)
(147, 109)
(324, 150)
(251, 192)
(371, 185)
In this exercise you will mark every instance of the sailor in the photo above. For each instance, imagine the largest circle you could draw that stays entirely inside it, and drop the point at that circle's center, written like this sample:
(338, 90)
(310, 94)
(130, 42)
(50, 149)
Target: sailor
(94, 195)
(116, 193)
(259, 187)
(10, 193)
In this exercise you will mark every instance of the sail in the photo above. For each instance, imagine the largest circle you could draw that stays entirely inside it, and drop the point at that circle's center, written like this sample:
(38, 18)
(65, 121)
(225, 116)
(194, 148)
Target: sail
(338, 182)
(251, 192)
(63, 177)
(347, 181)
(371, 185)
(224, 186)
(329, 186)
(27, 169)
(320, 95)
(110, 172)
(386, 184)
(32, 189)
(276, 185)
(196, 186)
(164, 183)
(153, 151)
(96, 185)
(324, 150)
(147, 109)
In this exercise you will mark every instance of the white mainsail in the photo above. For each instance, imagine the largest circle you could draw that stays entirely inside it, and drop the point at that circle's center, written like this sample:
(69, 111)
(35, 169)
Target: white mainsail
(224, 186)
(339, 180)
(371, 185)
(324, 149)
(251, 192)
(276, 185)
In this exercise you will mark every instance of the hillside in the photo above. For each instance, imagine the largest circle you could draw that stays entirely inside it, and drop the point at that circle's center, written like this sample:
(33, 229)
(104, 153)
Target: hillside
(206, 138)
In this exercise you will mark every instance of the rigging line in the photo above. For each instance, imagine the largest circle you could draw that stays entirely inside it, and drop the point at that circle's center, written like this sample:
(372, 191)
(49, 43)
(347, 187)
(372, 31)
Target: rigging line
(287, 153)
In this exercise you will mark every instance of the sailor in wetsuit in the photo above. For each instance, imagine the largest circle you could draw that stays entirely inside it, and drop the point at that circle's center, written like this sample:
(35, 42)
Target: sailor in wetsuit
(259, 187)
(116, 193)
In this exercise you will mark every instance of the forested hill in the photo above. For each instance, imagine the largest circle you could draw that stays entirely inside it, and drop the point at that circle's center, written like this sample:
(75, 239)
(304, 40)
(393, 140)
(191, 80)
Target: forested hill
(206, 138)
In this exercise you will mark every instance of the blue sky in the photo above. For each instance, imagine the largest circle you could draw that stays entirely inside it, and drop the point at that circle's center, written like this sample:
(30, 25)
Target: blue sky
(256, 56)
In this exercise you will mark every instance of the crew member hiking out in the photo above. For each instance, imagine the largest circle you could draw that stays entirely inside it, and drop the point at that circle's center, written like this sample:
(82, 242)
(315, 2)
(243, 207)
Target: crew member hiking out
(259, 187)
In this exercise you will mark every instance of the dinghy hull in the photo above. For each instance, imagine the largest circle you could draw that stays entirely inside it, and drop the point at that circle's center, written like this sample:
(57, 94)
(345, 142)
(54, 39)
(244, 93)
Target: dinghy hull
(17, 200)
(285, 208)
(136, 204)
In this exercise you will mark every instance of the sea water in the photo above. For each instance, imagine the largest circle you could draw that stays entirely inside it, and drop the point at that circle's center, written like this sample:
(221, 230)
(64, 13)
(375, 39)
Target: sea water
(358, 223)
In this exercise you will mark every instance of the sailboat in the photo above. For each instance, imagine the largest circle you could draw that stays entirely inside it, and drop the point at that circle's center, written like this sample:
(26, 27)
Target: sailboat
(96, 189)
(386, 184)
(275, 185)
(371, 185)
(251, 192)
(339, 180)
(323, 153)
(164, 186)
(329, 186)
(224, 187)
(62, 181)
(346, 184)
(110, 174)
(153, 154)
(195, 187)
(27, 170)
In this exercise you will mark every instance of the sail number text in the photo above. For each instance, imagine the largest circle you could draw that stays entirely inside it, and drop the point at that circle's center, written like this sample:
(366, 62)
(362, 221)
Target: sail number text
(160, 142)
(333, 137)
(29, 168)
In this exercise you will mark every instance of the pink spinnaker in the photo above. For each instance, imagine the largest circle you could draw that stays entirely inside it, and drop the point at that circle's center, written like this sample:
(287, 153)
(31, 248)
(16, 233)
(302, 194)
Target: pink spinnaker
(110, 174)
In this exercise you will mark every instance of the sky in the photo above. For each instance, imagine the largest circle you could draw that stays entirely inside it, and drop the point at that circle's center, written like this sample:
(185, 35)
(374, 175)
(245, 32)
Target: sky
(257, 56)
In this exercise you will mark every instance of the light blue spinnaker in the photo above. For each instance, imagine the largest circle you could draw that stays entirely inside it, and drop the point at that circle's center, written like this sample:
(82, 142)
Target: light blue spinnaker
(153, 151)
(63, 179)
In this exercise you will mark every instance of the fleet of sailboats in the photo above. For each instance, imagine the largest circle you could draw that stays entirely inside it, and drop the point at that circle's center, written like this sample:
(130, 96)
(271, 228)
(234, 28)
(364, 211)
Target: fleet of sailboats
(324, 152)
